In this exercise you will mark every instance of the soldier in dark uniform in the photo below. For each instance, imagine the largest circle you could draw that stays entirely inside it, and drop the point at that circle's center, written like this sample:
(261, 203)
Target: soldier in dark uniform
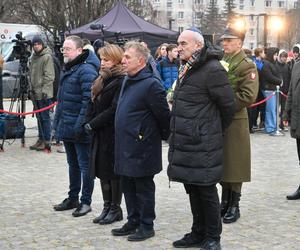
(243, 77)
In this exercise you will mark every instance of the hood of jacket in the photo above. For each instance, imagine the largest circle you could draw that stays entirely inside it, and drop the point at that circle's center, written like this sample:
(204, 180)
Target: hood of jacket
(208, 52)
(279, 54)
(144, 73)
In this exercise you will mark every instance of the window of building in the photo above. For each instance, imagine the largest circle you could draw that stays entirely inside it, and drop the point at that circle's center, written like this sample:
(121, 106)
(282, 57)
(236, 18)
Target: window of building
(251, 17)
(252, 2)
(180, 1)
(169, 4)
(156, 1)
(268, 3)
(241, 1)
(180, 29)
(198, 15)
(169, 13)
(214, 1)
(281, 4)
(241, 7)
(198, 1)
(251, 31)
(180, 15)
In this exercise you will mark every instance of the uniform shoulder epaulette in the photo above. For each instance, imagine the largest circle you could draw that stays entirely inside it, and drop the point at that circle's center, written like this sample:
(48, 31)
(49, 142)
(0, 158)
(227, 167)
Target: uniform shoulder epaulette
(248, 60)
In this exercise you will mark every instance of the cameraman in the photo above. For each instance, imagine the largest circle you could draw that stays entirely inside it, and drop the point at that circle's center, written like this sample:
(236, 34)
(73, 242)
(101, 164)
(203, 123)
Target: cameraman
(42, 76)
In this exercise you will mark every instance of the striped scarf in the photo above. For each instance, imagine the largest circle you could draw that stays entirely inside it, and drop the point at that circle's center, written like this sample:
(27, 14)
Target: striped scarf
(184, 68)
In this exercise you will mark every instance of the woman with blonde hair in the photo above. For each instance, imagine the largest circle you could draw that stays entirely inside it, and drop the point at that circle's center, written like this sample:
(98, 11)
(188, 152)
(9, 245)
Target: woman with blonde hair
(100, 123)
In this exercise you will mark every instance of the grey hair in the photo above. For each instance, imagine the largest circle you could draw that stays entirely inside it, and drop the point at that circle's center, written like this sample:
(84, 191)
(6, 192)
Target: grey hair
(198, 37)
(77, 40)
(140, 49)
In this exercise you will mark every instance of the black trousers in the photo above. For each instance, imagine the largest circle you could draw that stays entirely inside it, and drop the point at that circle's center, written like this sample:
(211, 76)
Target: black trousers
(139, 194)
(205, 207)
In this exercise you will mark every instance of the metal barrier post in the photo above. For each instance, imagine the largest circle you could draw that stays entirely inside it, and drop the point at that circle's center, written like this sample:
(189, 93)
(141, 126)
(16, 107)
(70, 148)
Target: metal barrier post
(277, 132)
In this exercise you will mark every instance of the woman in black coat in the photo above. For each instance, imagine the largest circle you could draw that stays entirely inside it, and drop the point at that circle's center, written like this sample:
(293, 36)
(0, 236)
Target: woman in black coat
(101, 116)
(269, 79)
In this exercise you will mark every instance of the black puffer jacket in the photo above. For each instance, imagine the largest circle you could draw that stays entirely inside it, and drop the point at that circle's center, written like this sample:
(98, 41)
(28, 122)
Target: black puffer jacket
(203, 107)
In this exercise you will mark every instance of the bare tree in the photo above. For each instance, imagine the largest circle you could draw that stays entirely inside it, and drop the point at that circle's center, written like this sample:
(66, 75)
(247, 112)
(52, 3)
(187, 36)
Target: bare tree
(55, 15)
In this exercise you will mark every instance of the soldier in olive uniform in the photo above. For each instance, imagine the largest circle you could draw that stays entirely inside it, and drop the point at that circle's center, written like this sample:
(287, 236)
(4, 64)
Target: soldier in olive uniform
(243, 78)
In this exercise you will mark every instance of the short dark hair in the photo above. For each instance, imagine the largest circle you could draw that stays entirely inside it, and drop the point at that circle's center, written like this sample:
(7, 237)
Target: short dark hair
(257, 51)
(171, 46)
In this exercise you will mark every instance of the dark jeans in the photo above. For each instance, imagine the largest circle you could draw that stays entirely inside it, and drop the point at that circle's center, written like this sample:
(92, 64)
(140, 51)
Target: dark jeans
(205, 207)
(44, 122)
(139, 196)
(78, 160)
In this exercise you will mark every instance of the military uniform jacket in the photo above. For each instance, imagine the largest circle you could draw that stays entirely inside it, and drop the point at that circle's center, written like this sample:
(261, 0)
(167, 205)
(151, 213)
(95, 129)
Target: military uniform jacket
(237, 153)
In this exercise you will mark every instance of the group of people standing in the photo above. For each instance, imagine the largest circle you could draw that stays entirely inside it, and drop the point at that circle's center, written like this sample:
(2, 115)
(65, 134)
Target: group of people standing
(113, 121)
(275, 68)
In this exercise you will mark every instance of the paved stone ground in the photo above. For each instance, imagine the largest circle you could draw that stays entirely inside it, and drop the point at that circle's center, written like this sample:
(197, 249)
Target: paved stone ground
(32, 182)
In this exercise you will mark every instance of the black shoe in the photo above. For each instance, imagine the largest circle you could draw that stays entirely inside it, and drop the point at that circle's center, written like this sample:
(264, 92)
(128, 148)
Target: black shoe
(126, 229)
(66, 205)
(294, 196)
(141, 234)
(82, 210)
(103, 214)
(187, 241)
(210, 245)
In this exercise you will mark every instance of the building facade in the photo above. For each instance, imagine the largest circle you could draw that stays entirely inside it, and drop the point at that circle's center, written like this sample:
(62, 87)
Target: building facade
(263, 19)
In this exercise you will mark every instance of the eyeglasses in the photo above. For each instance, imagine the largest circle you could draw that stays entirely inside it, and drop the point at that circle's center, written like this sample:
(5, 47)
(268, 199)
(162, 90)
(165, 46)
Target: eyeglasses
(65, 49)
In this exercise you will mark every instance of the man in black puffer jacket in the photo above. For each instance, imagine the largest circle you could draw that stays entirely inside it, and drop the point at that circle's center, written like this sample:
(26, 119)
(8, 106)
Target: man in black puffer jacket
(203, 108)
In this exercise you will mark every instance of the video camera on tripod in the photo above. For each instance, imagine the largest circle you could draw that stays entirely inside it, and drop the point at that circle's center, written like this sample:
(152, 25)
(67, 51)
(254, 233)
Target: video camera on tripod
(22, 53)
(12, 126)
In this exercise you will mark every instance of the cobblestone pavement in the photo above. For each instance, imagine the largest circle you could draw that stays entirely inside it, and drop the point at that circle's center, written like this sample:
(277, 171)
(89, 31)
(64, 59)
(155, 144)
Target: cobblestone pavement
(32, 182)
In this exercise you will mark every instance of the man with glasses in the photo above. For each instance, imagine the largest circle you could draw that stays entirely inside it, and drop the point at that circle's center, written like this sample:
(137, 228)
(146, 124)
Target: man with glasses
(42, 78)
(81, 69)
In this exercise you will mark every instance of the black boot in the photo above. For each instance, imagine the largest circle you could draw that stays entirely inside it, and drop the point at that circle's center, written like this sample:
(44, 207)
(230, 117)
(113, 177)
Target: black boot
(294, 196)
(233, 211)
(225, 200)
(106, 195)
(115, 212)
(104, 212)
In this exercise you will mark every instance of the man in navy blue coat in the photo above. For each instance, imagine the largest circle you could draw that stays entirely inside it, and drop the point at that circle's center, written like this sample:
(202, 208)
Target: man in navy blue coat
(142, 122)
(81, 69)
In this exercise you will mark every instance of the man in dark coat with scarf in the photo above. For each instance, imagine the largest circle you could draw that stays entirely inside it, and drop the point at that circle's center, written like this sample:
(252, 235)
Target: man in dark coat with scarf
(81, 69)
(141, 123)
(203, 108)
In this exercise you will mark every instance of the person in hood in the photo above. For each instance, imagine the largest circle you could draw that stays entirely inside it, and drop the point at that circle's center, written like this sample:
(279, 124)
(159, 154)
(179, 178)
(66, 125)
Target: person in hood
(243, 78)
(296, 56)
(42, 75)
(80, 70)
(141, 123)
(285, 74)
(203, 108)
